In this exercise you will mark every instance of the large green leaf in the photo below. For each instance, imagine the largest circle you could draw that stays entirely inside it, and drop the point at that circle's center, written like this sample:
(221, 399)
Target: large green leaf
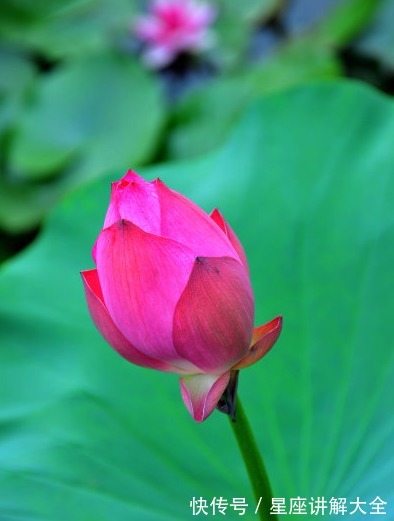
(86, 117)
(306, 181)
(17, 75)
(90, 112)
(55, 28)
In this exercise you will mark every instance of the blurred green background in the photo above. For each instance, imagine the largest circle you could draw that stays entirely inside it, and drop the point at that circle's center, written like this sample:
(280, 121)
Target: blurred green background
(287, 125)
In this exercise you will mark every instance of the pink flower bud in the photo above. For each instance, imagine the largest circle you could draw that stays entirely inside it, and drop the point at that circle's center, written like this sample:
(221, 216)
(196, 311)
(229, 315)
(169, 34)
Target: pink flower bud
(174, 26)
(172, 291)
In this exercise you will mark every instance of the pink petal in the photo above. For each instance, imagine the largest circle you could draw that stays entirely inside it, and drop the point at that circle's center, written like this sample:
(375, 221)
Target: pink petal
(213, 320)
(185, 222)
(147, 28)
(110, 332)
(174, 26)
(159, 56)
(201, 393)
(171, 12)
(142, 277)
(161, 8)
(218, 218)
(264, 337)
(136, 200)
(202, 15)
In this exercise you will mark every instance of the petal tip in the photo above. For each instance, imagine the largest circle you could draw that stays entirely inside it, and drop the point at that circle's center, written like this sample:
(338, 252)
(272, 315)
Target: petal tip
(130, 175)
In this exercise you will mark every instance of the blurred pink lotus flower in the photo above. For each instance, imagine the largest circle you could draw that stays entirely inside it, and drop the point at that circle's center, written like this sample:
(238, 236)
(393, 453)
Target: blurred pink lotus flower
(172, 291)
(172, 27)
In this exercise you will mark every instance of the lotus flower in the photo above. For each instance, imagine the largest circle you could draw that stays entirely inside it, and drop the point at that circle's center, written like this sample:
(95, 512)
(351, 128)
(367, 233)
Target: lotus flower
(172, 291)
(172, 27)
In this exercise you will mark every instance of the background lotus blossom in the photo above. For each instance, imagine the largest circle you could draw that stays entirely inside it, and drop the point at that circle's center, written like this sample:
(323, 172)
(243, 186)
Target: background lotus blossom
(172, 291)
(172, 27)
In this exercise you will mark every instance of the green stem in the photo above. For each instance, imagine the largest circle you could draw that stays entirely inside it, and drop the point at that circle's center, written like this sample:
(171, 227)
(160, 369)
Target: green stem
(254, 463)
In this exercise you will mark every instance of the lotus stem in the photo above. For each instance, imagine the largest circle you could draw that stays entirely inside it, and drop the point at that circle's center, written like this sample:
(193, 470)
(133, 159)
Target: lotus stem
(254, 463)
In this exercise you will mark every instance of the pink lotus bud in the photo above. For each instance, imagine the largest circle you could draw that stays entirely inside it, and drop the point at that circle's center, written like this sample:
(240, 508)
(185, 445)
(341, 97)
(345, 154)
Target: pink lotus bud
(172, 291)
(172, 27)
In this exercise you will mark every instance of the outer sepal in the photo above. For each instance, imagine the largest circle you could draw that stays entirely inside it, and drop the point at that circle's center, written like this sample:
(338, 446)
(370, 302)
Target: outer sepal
(264, 337)
(202, 392)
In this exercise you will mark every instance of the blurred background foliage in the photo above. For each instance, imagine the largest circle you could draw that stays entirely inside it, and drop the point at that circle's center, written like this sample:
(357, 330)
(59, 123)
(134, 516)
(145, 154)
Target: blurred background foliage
(76, 101)
(267, 125)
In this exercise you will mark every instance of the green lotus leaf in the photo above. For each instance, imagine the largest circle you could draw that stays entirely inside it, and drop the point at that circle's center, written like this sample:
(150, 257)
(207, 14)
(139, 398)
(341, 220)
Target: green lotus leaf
(306, 181)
